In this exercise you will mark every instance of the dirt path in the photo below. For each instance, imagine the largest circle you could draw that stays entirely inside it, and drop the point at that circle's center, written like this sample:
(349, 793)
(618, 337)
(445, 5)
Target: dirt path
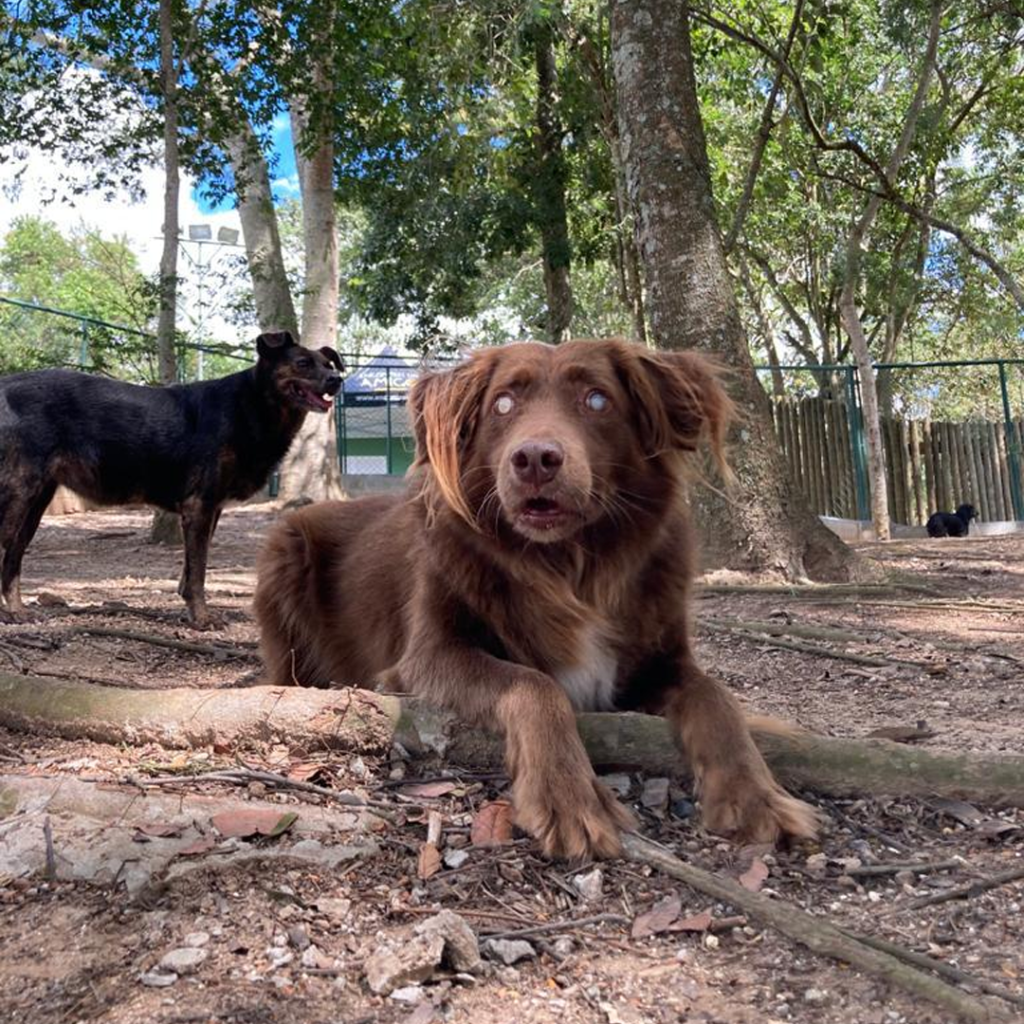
(76, 952)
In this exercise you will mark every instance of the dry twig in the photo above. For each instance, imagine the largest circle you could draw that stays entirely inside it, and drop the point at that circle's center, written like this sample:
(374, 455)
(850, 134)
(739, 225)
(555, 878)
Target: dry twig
(557, 926)
(816, 934)
(218, 651)
(975, 888)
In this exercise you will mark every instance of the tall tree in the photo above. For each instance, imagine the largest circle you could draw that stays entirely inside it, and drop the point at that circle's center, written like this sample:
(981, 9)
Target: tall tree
(855, 242)
(766, 524)
(549, 186)
(311, 468)
(168, 286)
(166, 528)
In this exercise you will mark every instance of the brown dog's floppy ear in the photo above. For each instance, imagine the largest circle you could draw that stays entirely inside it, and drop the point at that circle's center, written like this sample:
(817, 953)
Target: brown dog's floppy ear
(333, 357)
(272, 343)
(445, 406)
(680, 401)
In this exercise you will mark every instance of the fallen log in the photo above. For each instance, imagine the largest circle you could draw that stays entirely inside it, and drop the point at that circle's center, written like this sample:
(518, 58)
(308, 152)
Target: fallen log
(362, 721)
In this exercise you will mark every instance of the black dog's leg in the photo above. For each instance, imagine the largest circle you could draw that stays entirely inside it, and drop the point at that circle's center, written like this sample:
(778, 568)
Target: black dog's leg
(198, 521)
(20, 522)
(183, 578)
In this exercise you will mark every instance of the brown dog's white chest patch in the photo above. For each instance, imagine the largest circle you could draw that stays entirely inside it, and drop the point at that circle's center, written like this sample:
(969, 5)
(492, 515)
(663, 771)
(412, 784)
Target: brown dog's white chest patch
(590, 681)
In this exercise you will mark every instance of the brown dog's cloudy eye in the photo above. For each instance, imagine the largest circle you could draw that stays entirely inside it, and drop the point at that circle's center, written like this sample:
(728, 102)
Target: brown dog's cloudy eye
(504, 404)
(597, 401)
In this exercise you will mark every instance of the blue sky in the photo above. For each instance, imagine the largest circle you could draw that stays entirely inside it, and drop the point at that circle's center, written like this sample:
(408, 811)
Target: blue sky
(283, 174)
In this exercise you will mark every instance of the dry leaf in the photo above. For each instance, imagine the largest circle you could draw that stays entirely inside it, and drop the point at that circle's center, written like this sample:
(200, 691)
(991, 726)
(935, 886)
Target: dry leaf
(695, 923)
(203, 845)
(755, 876)
(657, 919)
(429, 790)
(902, 733)
(429, 861)
(492, 825)
(242, 823)
(304, 771)
(965, 813)
(423, 1014)
(158, 829)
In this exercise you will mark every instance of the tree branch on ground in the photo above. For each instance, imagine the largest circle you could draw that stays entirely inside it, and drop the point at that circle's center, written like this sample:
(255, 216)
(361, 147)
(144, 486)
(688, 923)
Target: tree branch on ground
(362, 721)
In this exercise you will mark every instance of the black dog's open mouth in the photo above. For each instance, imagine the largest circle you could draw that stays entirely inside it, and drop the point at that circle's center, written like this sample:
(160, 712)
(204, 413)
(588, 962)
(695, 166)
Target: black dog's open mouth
(309, 396)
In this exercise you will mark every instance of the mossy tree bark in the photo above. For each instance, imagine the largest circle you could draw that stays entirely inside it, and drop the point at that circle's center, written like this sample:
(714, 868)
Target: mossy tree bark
(765, 524)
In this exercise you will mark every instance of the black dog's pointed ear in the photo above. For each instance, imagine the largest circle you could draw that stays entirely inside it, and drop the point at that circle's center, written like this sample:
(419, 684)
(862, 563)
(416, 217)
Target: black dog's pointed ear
(273, 343)
(326, 350)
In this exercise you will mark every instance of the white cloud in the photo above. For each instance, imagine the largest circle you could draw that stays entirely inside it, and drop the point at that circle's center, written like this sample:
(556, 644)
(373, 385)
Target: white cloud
(42, 193)
(286, 187)
(37, 183)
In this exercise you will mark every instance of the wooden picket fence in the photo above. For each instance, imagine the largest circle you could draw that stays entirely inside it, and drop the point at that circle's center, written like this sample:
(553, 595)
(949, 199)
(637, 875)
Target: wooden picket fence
(930, 464)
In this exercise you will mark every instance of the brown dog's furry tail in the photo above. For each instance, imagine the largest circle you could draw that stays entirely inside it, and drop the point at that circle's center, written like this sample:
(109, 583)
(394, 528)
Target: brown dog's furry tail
(285, 602)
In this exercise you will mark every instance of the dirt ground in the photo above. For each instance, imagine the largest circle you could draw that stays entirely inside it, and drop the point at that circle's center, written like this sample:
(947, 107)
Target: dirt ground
(942, 656)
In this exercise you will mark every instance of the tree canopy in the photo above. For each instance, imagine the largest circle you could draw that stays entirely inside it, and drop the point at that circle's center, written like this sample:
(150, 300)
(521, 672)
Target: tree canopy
(460, 130)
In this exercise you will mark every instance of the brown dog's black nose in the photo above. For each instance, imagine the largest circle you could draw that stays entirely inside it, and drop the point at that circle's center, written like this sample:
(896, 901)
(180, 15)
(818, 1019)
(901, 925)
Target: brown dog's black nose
(537, 462)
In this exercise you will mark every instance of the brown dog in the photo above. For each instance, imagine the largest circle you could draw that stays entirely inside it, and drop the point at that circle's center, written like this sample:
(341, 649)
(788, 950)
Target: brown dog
(539, 564)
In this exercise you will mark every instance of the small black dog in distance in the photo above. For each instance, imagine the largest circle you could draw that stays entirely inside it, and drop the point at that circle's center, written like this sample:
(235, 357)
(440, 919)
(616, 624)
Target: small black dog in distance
(951, 524)
(187, 448)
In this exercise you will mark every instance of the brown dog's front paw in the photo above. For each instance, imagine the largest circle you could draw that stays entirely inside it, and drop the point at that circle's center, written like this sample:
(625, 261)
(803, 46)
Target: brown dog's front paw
(751, 809)
(572, 820)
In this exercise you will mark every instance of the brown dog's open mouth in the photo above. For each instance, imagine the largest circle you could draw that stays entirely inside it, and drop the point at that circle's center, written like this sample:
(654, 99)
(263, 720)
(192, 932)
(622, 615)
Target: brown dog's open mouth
(308, 396)
(543, 513)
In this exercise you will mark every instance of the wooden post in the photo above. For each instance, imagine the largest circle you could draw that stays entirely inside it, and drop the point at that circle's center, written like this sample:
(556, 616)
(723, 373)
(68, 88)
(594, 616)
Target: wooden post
(908, 442)
(997, 463)
(841, 440)
(1003, 468)
(889, 457)
(972, 450)
(930, 458)
(833, 457)
(958, 463)
(806, 476)
(818, 462)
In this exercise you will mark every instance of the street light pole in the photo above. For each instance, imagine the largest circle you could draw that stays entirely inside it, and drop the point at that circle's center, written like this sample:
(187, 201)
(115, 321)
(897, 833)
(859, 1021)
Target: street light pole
(201, 235)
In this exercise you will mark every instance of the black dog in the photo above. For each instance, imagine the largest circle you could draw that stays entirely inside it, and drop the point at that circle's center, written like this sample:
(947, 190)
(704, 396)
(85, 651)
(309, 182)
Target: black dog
(187, 448)
(951, 524)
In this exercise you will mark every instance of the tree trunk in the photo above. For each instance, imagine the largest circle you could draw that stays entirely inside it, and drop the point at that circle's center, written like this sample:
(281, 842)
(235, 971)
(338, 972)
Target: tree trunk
(166, 361)
(166, 527)
(848, 312)
(549, 189)
(631, 290)
(766, 524)
(311, 468)
(275, 309)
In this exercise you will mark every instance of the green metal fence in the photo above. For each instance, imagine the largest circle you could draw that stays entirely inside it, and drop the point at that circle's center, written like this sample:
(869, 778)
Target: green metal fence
(375, 435)
(44, 336)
